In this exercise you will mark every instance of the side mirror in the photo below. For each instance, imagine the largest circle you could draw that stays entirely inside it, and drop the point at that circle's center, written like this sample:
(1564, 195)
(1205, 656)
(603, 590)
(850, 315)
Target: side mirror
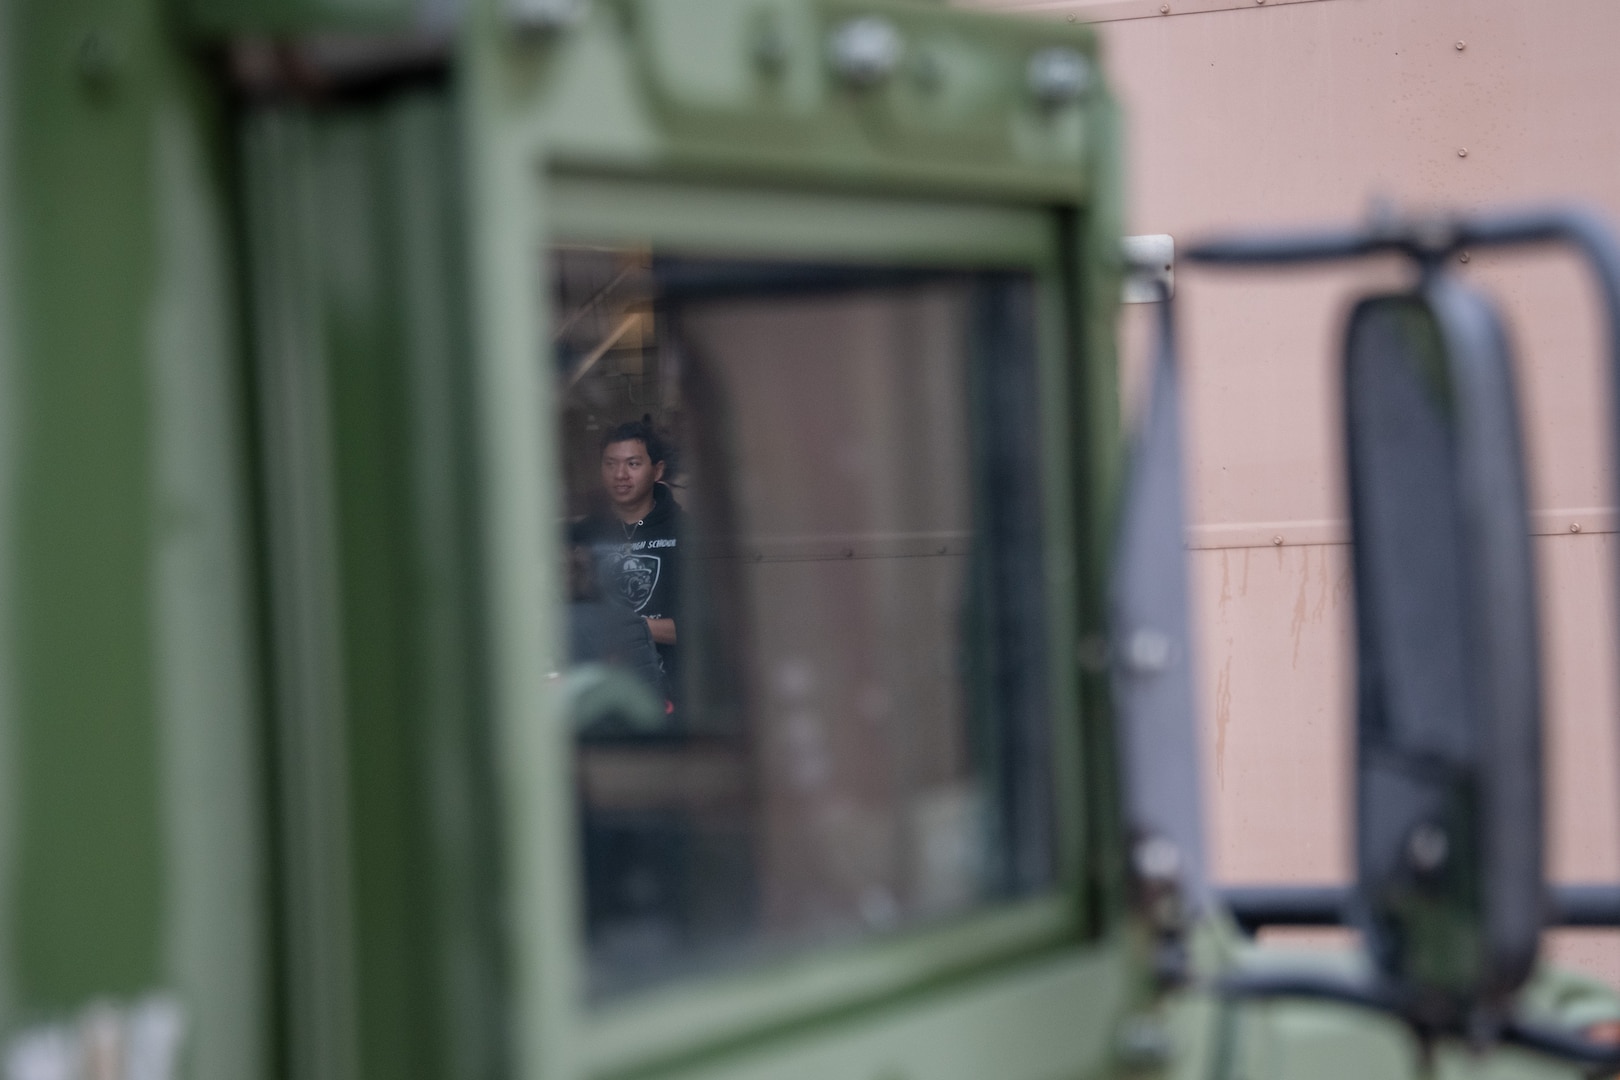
(1448, 766)
(1448, 772)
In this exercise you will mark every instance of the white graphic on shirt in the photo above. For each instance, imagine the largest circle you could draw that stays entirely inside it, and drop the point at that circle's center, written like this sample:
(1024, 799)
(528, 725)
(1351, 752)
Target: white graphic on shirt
(631, 579)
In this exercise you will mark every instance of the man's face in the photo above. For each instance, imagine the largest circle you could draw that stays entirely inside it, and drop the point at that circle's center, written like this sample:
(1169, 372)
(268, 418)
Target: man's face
(628, 474)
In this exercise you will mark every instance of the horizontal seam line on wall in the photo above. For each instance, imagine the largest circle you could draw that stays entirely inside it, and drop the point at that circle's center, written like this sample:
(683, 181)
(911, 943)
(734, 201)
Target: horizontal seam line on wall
(1583, 521)
(1100, 11)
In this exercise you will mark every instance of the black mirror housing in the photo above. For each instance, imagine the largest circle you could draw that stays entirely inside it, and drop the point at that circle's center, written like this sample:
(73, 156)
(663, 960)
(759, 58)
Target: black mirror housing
(1448, 771)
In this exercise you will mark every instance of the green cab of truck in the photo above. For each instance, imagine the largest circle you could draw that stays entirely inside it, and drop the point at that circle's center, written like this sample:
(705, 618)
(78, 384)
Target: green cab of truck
(595, 540)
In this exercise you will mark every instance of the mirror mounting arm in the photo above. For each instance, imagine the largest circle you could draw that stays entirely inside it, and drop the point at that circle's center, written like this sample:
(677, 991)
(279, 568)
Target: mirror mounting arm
(1151, 671)
(1428, 240)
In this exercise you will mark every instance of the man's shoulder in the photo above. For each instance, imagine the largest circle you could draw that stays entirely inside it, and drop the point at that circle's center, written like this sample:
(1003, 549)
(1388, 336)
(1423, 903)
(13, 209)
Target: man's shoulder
(668, 526)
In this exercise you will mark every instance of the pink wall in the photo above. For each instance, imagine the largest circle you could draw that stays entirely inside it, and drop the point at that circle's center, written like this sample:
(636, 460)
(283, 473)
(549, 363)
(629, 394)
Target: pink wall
(1302, 111)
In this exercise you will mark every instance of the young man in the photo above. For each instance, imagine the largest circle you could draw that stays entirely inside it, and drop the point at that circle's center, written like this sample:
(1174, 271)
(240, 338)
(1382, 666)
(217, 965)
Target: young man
(635, 543)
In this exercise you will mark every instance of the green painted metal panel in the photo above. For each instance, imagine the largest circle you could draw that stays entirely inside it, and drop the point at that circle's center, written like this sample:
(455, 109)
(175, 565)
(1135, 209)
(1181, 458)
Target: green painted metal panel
(1095, 442)
(391, 960)
(218, 18)
(682, 89)
(333, 315)
(417, 884)
(87, 776)
(132, 865)
(631, 124)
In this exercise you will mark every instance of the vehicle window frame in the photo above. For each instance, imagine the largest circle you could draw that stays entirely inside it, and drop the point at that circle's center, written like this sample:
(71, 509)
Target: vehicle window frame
(665, 1025)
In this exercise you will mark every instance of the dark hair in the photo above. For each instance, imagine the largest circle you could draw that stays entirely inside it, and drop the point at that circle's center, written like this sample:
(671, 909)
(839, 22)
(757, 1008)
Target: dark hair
(638, 429)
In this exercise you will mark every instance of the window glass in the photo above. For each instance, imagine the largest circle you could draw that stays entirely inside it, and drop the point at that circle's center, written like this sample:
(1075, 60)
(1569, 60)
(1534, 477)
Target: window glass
(806, 602)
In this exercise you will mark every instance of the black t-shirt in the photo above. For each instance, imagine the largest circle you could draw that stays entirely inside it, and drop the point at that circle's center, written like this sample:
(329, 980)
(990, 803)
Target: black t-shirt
(638, 564)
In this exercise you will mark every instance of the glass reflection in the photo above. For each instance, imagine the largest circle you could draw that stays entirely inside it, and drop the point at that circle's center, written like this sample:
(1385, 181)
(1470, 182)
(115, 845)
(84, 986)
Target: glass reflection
(806, 602)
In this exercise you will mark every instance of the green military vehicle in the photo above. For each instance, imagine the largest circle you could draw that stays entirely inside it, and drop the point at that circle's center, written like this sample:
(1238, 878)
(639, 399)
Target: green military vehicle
(592, 541)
